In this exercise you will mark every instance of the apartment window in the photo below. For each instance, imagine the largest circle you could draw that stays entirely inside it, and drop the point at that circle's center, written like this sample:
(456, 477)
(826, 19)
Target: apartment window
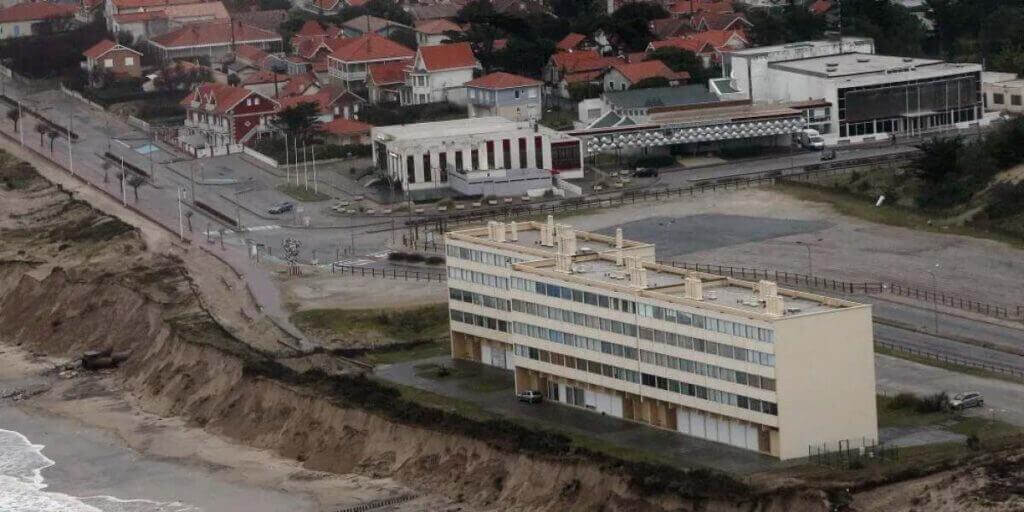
(517, 94)
(410, 164)
(506, 153)
(523, 162)
(129, 61)
(410, 175)
(256, 101)
(443, 164)
(474, 159)
(1015, 100)
(458, 160)
(997, 98)
(108, 63)
(490, 154)
(538, 151)
(427, 173)
(532, 93)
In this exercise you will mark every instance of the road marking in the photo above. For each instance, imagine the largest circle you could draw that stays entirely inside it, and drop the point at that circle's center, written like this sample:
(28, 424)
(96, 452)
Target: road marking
(263, 228)
(353, 263)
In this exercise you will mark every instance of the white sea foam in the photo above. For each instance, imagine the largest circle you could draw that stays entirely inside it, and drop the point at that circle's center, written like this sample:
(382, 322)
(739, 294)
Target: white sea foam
(22, 486)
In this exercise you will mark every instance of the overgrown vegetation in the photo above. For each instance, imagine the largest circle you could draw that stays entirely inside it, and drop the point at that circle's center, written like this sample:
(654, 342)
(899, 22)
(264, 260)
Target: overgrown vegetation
(383, 115)
(274, 147)
(423, 323)
(50, 55)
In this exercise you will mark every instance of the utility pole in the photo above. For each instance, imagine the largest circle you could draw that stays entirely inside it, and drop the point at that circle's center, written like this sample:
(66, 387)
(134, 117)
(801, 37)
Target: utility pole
(181, 227)
(21, 131)
(124, 197)
(935, 305)
(192, 175)
(287, 174)
(295, 151)
(152, 147)
(316, 189)
(71, 125)
(305, 167)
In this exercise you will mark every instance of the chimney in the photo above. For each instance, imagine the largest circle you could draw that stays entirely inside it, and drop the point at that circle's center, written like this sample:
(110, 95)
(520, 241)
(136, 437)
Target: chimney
(514, 235)
(490, 230)
(766, 290)
(694, 288)
(618, 238)
(775, 306)
(547, 233)
(641, 274)
(499, 231)
(567, 239)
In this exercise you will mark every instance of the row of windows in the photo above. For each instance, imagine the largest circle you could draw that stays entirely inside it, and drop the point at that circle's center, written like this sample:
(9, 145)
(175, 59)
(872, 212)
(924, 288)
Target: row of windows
(645, 310)
(479, 320)
(997, 99)
(472, 276)
(614, 349)
(487, 258)
(710, 347)
(649, 380)
(575, 340)
(628, 329)
(710, 370)
(479, 299)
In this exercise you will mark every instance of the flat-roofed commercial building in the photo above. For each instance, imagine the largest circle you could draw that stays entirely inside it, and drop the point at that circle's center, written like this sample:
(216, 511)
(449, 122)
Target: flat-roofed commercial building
(593, 321)
(490, 155)
(865, 96)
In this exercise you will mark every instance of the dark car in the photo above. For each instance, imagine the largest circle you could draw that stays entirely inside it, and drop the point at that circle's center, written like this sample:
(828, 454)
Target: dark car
(530, 396)
(284, 207)
(967, 399)
(644, 172)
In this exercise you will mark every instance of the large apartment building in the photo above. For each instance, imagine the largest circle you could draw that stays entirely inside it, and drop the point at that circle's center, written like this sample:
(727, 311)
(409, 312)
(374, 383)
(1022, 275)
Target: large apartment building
(593, 321)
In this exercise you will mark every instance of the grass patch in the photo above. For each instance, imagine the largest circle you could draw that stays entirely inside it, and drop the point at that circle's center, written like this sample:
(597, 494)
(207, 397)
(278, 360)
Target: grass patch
(468, 377)
(967, 370)
(402, 354)
(863, 208)
(300, 193)
(423, 323)
(893, 413)
(445, 403)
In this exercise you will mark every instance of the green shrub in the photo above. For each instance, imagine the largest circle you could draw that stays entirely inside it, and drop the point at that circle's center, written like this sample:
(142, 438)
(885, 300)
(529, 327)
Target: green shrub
(937, 402)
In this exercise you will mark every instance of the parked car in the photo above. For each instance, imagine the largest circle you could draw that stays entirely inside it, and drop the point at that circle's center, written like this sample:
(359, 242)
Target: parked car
(530, 396)
(644, 172)
(280, 208)
(967, 399)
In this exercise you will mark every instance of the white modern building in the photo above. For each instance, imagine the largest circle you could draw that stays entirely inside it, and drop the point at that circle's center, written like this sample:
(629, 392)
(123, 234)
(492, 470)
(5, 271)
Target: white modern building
(591, 321)
(868, 96)
(492, 150)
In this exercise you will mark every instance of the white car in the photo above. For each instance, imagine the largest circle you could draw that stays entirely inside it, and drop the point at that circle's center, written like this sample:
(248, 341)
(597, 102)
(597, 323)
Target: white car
(967, 399)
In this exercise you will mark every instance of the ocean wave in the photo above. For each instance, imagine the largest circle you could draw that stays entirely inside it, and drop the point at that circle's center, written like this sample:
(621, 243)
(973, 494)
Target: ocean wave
(22, 485)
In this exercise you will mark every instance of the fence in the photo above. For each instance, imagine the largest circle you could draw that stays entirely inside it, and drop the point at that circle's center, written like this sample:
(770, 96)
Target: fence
(945, 357)
(1015, 312)
(734, 182)
(383, 273)
(844, 455)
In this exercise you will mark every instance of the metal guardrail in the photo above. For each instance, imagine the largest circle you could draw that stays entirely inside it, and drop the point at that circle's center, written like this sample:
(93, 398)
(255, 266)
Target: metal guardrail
(938, 297)
(364, 507)
(945, 357)
(383, 273)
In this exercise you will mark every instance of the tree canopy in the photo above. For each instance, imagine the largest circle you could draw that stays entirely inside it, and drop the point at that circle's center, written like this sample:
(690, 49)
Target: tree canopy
(680, 60)
(300, 122)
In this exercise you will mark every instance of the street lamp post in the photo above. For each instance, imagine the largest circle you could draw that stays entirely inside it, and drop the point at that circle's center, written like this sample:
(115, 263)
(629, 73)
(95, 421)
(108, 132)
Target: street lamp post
(810, 266)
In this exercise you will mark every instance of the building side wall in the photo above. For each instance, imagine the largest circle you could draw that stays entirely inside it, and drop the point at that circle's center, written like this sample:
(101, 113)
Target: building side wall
(826, 380)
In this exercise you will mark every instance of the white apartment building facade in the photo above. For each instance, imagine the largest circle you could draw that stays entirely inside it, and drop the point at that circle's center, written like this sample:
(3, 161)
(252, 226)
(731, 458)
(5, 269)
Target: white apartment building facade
(592, 321)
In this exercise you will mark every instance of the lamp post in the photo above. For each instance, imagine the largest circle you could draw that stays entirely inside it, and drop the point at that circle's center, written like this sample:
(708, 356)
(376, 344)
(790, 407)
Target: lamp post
(810, 266)
(935, 288)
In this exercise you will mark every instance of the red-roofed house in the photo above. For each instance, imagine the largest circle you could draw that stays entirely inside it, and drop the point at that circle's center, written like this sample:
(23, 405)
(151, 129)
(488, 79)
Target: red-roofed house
(439, 72)
(24, 19)
(266, 83)
(219, 118)
(566, 68)
(346, 131)
(301, 85)
(213, 40)
(384, 82)
(572, 42)
(431, 32)
(688, 8)
(513, 97)
(323, 7)
(115, 58)
(113, 8)
(349, 58)
(625, 75)
(707, 45)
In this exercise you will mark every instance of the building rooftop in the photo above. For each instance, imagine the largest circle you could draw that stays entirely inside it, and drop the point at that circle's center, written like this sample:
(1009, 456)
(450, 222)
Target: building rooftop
(660, 97)
(31, 11)
(459, 128)
(594, 264)
(847, 64)
(820, 43)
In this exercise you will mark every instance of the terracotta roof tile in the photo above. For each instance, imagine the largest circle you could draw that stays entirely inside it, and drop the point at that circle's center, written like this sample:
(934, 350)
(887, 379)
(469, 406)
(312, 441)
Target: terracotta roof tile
(251, 53)
(206, 10)
(224, 97)
(502, 80)
(570, 41)
(298, 85)
(368, 47)
(265, 77)
(638, 71)
(448, 56)
(267, 20)
(136, 17)
(135, 4)
(389, 73)
(342, 126)
(30, 11)
(211, 33)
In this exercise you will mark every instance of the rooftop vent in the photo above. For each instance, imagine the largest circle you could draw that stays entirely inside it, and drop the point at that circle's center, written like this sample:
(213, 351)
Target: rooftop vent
(863, 60)
(793, 310)
(831, 64)
(711, 296)
(908, 59)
